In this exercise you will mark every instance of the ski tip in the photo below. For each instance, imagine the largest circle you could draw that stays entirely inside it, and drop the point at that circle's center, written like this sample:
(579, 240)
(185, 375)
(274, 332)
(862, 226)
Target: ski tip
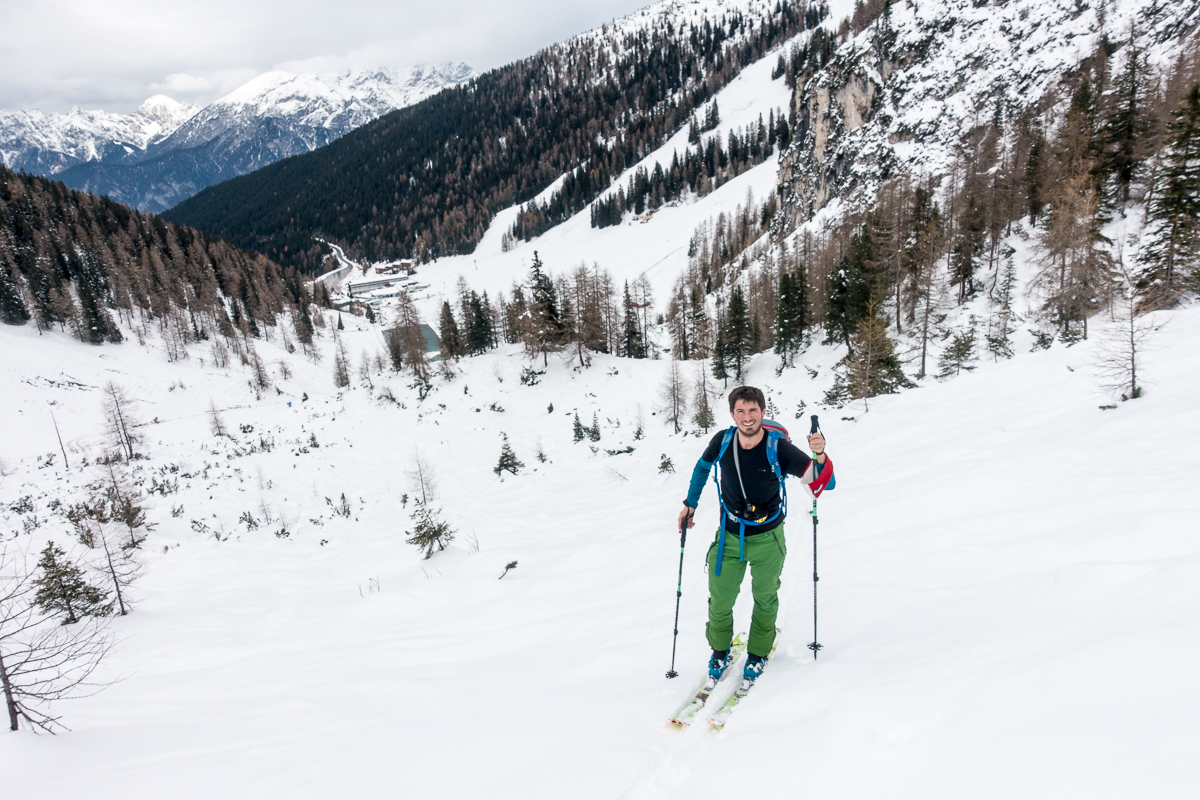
(716, 725)
(677, 724)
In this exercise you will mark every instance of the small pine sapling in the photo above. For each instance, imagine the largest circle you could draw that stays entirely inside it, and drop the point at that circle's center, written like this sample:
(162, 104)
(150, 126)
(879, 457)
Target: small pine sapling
(508, 460)
(959, 354)
(703, 417)
(666, 465)
(62, 588)
(580, 431)
(429, 530)
(507, 567)
(594, 431)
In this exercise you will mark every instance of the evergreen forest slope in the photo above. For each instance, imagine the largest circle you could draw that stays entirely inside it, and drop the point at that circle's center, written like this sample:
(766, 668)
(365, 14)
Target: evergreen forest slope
(425, 181)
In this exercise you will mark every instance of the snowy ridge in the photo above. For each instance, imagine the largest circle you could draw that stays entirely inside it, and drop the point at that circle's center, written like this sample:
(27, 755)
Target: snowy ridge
(904, 92)
(168, 151)
(315, 107)
(47, 144)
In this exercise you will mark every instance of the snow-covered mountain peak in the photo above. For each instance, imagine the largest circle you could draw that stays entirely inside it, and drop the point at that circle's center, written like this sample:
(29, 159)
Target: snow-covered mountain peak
(166, 111)
(373, 90)
(137, 159)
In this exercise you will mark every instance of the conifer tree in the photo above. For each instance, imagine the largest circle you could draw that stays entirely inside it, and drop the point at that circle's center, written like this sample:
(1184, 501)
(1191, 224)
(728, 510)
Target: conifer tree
(1172, 256)
(545, 330)
(62, 588)
(429, 530)
(632, 344)
(720, 361)
(12, 307)
(508, 460)
(790, 317)
(448, 332)
(1001, 323)
(481, 335)
(593, 432)
(871, 367)
(703, 417)
(738, 333)
(1127, 129)
(959, 354)
(849, 293)
(579, 431)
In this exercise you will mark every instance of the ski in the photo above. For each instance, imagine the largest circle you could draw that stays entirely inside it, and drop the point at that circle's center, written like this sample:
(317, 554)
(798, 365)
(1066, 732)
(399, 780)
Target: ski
(718, 720)
(692, 706)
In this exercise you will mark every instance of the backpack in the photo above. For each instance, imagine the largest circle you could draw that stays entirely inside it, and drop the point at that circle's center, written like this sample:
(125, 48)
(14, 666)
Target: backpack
(775, 432)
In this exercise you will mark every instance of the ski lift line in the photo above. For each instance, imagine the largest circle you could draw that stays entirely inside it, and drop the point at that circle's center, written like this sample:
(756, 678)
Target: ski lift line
(644, 272)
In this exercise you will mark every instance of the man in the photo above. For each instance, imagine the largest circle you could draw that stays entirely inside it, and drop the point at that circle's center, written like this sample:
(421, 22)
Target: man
(752, 526)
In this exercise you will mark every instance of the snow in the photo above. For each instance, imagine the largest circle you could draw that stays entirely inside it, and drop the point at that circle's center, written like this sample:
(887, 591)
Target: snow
(1009, 594)
(656, 248)
(1009, 587)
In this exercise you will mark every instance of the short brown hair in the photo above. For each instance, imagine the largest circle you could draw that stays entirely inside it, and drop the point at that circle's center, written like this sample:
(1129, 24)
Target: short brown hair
(750, 394)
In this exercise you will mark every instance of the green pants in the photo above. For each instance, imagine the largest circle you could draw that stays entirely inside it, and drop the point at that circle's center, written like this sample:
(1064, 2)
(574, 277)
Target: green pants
(764, 555)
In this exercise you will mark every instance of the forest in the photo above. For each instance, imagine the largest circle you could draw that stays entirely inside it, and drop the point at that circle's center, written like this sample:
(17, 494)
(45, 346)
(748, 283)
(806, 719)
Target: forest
(1118, 139)
(85, 264)
(425, 181)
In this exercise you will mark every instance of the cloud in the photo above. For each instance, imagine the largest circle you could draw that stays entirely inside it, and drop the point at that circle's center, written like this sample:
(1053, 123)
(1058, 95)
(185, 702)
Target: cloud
(112, 54)
(199, 89)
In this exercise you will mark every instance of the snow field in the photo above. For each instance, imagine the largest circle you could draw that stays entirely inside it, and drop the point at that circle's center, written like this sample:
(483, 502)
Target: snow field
(1008, 594)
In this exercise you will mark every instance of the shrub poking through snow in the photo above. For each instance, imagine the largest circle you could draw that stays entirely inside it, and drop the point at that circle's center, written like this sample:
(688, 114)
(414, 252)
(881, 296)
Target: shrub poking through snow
(666, 465)
(507, 567)
(429, 530)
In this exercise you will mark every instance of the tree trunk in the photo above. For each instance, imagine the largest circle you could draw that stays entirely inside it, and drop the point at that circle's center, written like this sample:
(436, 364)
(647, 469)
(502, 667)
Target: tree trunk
(113, 571)
(9, 701)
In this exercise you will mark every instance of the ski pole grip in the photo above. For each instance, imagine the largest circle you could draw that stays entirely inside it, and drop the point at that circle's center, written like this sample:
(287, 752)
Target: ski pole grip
(815, 425)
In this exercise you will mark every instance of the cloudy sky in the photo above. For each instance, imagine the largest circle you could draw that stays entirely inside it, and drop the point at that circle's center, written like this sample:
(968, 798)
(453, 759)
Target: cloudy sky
(113, 54)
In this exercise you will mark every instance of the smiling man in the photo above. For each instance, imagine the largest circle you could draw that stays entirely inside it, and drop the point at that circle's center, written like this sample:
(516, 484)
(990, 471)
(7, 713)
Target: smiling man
(752, 466)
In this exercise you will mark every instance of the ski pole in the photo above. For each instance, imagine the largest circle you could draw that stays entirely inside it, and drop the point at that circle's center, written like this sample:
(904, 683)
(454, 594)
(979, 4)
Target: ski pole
(814, 645)
(671, 673)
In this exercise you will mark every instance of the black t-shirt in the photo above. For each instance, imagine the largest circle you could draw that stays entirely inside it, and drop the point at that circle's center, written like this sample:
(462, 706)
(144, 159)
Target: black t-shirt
(762, 497)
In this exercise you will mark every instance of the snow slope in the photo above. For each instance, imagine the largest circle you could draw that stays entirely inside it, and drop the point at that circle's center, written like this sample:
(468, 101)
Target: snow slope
(657, 247)
(1009, 590)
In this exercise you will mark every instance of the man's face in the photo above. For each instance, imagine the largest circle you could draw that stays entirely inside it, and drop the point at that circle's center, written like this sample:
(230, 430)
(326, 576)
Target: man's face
(748, 417)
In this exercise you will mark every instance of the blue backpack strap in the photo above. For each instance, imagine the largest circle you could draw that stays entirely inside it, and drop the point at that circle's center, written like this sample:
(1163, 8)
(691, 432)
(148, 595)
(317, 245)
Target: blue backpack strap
(773, 458)
(725, 441)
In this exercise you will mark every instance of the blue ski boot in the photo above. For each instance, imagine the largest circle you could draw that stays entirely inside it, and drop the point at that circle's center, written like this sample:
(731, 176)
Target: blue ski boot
(754, 667)
(718, 664)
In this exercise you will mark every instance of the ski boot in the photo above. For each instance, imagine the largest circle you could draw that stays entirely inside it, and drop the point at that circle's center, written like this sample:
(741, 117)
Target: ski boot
(718, 664)
(754, 667)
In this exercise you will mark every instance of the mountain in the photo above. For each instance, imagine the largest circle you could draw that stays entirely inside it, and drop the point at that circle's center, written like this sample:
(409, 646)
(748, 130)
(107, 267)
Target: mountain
(914, 86)
(276, 115)
(425, 181)
(292, 452)
(47, 144)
